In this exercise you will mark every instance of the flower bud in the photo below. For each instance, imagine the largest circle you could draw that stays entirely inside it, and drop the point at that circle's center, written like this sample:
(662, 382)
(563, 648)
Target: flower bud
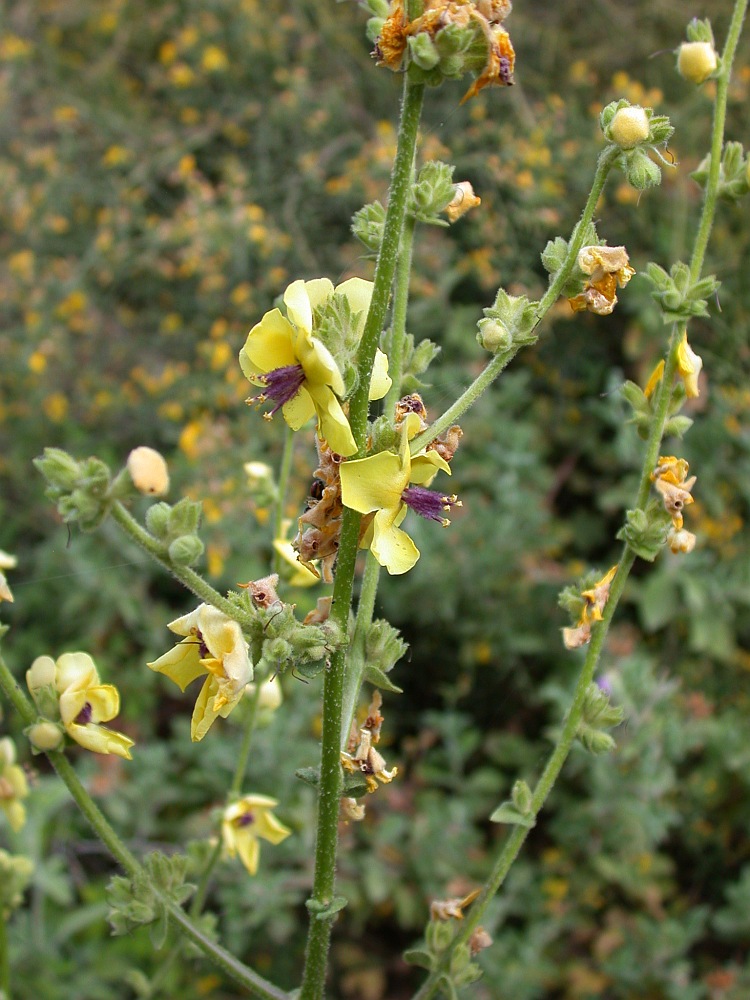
(41, 674)
(494, 335)
(629, 127)
(148, 470)
(186, 550)
(45, 737)
(641, 171)
(157, 519)
(696, 61)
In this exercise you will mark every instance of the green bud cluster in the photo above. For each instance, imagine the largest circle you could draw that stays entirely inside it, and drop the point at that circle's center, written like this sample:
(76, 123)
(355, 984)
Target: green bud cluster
(734, 172)
(144, 898)
(598, 715)
(336, 326)
(636, 131)
(367, 226)
(82, 491)
(417, 359)
(432, 192)
(461, 970)
(642, 405)
(384, 647)
(448, 55)
(508, 324)
(678, 295)
(176, 526)
(646, 530)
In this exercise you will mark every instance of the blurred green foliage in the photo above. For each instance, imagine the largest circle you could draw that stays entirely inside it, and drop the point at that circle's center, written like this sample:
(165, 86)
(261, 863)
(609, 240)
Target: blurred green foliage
(165, 170)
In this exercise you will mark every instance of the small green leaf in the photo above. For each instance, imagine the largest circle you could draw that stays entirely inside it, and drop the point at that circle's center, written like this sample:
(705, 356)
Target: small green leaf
(508, 814)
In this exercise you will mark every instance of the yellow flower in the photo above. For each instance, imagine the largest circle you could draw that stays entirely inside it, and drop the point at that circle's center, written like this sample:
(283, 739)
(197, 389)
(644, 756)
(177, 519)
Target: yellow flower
(689, 365)
(381, 483)
(594, 600)
(247, 820)
(13, 785)
(608, 267)
(83, 701)
(297, 371)
(215, 647)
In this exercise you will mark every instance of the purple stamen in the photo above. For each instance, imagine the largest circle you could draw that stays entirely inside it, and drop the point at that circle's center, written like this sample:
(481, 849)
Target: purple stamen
(247, 819)
(84, 716)
(281, 385)
(428, 503)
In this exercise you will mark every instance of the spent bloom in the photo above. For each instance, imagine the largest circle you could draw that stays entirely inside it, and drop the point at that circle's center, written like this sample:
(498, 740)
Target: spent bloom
(368, 761)
(295, 369)
(607, 268)
(390, 484)
(671, 481)
(70, 688)
(594, 600)
(462, 202)
(247, 820)
(215, 649)
(13, 785)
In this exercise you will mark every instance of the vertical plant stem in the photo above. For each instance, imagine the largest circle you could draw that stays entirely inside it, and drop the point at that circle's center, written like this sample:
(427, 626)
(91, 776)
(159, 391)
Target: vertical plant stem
(319, 934)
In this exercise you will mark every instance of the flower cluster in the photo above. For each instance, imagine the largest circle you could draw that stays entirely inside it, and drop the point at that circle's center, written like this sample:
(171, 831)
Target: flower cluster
(215, 649)
(13, 785)
(72, 699)
(671, 481)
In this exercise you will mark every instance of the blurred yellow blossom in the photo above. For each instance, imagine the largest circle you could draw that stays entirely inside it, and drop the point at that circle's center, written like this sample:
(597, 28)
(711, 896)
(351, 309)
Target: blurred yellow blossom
(247, 820)
(13, 785)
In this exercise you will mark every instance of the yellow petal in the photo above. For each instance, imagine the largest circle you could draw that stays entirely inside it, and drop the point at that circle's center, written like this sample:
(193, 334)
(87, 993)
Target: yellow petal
(373, 483)
(302, 577)
(381, 381)
(269, 345)
(332, 422)
(299, 409)
(269, 828)
(181, 664)
(391, 546)
(319, 290)
(104, 701)
(689, 365)
(358, 293)
(248, 849)
(99, 739)
(75, 671)
(298, 306)
(319, 364)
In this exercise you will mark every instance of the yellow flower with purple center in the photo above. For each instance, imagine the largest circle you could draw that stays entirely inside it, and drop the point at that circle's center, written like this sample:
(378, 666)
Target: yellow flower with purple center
(215, 649)
(295, 369)
(247, 821)
(83, 702)
(390, 484)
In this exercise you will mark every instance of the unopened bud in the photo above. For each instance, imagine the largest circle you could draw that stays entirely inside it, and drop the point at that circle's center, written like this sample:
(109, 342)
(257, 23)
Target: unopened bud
(696, 61)
(186, 550)
(148, 470)
(41, 674)
(45, 737)
(629, 127)
(494, 335)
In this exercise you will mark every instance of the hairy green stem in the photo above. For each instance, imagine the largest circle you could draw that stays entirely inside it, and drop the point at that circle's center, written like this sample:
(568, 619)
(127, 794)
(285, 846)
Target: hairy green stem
(500, 361)
(319, 934)
(516, 838)
(188, 578)
(283, 482)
